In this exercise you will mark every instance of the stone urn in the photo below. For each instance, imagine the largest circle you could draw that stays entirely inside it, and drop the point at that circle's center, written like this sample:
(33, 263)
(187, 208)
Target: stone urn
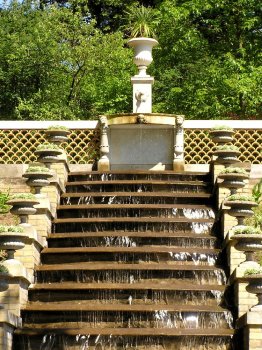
(23, 207)
(249, 244)
(37, 177)
(240, 207)
(222, 136)
(48, 153)
(143, 53)
(233, 180)
(227, 154)
(57, 135)
(255, 287)
(11, 241)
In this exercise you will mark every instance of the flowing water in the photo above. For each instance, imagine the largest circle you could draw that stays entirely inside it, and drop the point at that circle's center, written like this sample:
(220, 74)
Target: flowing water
(154, 279)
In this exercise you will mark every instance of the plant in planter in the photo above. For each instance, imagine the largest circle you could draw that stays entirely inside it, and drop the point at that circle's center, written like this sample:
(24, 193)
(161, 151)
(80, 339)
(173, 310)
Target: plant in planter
(48, 153)
(227, 154)
(140, 25)
(221, 134)
(38, 176)
(248, 239)
(57, 134)
(4, 208)
(240, 206)
(233, 178)
(23, 205)
(11, 239)
(254, 278)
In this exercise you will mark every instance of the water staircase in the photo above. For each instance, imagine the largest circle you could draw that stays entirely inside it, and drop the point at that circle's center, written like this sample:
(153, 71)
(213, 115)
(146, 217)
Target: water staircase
(134, 262)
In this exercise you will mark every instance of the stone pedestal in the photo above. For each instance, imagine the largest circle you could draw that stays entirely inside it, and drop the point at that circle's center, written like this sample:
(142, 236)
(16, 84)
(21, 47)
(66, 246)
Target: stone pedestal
(8, 323)
(251, 325)
(142, 94)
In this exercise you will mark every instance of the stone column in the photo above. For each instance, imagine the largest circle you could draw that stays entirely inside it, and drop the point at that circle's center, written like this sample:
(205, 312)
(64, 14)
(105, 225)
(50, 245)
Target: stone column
(178, 161)
(103, 163)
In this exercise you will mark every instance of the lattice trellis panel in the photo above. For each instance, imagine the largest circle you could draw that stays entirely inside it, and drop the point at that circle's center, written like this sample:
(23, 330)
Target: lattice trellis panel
(18, 146)
(199, 147)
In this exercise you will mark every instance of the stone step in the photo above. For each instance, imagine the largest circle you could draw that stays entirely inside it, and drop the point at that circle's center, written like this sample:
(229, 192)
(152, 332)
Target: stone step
(89, 266)
(125, 210)
(138, 175)
(131, 250)
(83, 305)
(137, 293)
(154, 332)
(160, 286)
(137, 194)
(131, 219)
(131, 254)
(126, 239)
(109, 182)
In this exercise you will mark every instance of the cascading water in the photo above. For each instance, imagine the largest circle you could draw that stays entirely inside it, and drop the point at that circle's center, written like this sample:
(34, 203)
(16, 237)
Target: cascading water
(133, 263)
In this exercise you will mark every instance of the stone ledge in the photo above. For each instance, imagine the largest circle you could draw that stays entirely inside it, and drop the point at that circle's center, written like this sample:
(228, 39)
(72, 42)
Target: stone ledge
(10, 319)
(251, 318)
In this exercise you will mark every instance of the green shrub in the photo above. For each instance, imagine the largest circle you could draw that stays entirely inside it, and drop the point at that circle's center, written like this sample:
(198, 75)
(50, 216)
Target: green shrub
(23, 196)
(4, 197)
(58, 127)
(247, 230)
(37, 169)
(253, 271)
(240, 197)
(227, 148)
(47, 145)
(3, 269)
(231, 170)
(222, 127)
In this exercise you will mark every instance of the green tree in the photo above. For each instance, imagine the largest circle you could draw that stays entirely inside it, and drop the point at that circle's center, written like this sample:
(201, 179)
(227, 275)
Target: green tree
(209, 61)
(54, 64)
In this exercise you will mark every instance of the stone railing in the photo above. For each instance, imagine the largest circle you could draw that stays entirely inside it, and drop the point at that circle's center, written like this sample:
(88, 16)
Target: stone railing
(18, 140)
(240, 250)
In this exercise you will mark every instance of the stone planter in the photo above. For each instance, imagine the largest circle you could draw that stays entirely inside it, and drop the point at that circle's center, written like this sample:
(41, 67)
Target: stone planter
(249, 244)
(240, 209)
(233, 181)
(143, 53)
(57, 136)
(37, 180)
(23, 208)
(11, 241)
(48, 156)
(227, 156)
(255, 286)
(221, 136)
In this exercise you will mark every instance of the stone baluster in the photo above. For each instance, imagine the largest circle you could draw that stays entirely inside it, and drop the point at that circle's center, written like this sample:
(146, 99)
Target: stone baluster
(103, 163)
(178, 162)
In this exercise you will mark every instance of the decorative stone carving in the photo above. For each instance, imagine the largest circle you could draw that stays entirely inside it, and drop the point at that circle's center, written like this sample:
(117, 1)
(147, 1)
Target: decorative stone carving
(178, 162)
(141, 119)
(103, 163)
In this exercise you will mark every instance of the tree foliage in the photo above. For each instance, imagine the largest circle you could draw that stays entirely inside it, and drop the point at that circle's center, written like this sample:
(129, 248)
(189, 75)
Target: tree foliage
(54, 64)
(68, 59)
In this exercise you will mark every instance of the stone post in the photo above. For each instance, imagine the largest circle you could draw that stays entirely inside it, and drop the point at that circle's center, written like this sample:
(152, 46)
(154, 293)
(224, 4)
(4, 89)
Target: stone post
(142, 94)
(178, 161)
(103, 163)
